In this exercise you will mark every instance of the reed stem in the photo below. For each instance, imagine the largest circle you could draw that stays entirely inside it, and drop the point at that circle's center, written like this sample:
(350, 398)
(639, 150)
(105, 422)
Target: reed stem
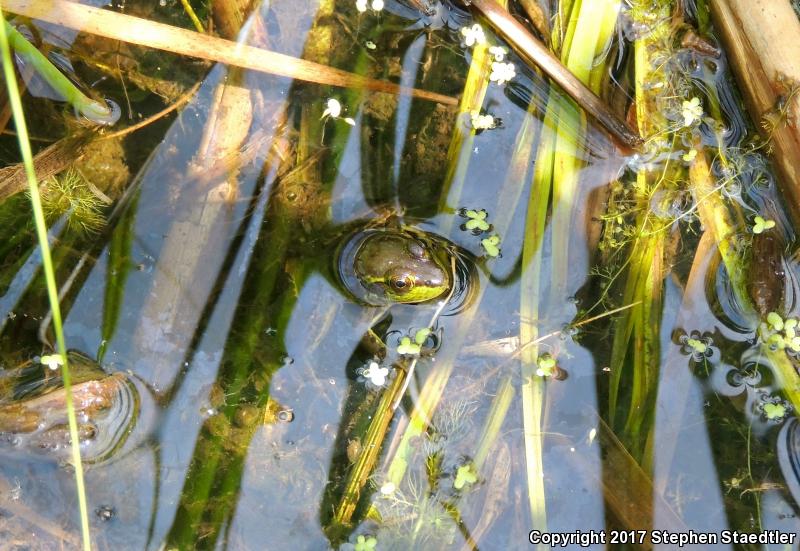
(187, 7)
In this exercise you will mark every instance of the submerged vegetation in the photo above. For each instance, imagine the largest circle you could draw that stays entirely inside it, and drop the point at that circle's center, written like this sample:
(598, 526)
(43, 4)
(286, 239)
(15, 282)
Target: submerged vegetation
(375, 282)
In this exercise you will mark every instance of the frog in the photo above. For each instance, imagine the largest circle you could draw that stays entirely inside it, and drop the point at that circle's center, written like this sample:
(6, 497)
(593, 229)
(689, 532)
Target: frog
(33, 412)
(395, 264)
(381, 257)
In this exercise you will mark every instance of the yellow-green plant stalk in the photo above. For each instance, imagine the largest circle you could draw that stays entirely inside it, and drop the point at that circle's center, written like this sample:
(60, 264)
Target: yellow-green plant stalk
(49, 273)
(187, 7)
(494, 420)
(564, 26)
(582, 43)
(532, 389)
(590, 31)
(460, 149)
(636, 338)
(533, 385)
(635, 349)
(372, 446)
(723, 221)
(96, 111)
(556, 171)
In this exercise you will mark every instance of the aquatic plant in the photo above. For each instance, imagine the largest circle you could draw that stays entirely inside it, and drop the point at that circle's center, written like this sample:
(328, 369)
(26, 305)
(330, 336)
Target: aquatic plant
(491, 245)
(472, 97)
(407, 348)
(70, 195)
(697, 346)
(98, 112)
(760, 224)
(545, 365)
(465, 476)
(773, 408)
(476, 221)
(375, 374)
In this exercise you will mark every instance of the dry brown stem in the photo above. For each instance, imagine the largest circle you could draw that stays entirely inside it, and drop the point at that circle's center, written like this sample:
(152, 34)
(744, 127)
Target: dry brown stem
(189, 43)
(50, 161)
(762, 40)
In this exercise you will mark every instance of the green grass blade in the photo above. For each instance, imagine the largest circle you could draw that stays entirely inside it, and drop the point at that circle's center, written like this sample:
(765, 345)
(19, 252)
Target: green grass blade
(494, 421)
(533, 388)
(47, 262)
(86, 106)
(460, 151)
(589, 31)
(119, 254)
(187, 7)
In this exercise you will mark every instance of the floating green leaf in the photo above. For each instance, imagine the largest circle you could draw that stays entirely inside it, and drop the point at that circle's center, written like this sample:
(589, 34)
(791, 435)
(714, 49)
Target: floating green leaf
(408, 348)
(760, 224)
(774, 411)
(422, 335)
(465, 475)
(490, 245)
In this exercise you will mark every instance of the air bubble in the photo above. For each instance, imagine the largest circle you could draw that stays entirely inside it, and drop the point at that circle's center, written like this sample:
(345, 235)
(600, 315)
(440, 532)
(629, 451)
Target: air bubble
(105, 512)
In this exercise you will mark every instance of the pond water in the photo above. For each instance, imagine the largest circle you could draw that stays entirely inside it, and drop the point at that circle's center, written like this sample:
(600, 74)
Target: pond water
(593, 367)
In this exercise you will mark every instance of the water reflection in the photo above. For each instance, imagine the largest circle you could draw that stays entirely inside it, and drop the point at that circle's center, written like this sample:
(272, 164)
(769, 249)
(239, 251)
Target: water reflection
(217, 289)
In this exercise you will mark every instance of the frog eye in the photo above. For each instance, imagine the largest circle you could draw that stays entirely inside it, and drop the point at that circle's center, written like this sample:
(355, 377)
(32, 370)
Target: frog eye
(401, 283)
